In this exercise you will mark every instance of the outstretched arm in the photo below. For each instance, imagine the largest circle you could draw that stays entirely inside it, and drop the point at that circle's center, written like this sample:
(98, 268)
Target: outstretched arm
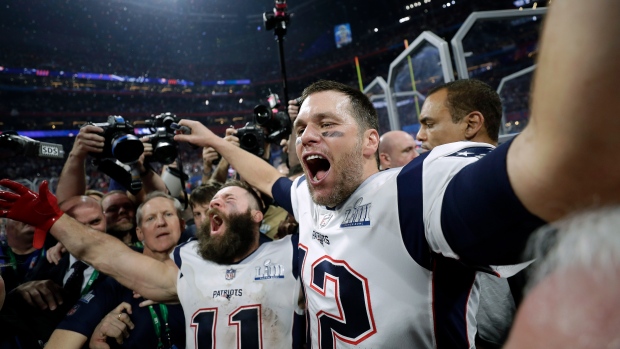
(151, 181)
(253, 169)
(567, 158)
(153, 279)
(72, 180)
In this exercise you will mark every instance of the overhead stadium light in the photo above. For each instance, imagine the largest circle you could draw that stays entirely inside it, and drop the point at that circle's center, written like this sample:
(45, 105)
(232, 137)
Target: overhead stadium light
(405, 19)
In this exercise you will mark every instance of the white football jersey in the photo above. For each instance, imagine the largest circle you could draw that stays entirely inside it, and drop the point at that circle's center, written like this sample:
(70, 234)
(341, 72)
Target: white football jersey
(374, 269)
(250, 304)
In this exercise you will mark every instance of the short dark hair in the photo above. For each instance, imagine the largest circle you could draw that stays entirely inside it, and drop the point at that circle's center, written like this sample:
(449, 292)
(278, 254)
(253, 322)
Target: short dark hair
(204, 193)
(361, 107)
(243, 185)
(469, 95)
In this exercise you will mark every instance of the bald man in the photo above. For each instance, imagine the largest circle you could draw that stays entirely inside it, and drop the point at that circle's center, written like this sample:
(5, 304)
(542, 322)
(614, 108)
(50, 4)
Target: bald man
(396, 149)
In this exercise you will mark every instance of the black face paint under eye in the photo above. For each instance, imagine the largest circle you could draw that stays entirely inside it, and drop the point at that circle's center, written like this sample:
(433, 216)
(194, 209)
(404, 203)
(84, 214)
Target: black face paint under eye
(332, 134)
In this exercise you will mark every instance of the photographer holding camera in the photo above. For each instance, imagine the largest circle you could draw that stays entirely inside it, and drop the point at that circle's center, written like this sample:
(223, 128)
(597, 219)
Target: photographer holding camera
(91, 140)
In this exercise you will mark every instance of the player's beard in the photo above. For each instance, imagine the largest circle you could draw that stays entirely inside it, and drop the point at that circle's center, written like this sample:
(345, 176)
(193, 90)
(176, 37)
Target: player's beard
(235, 241)
(349, 171)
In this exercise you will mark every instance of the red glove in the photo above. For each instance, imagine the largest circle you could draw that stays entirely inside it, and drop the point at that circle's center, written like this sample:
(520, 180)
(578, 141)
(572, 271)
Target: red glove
(39, 210)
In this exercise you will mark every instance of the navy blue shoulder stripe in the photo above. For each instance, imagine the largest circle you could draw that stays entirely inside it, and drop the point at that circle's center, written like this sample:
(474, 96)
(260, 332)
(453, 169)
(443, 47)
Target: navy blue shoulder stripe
(281, 192)
(471, 152)
(410, 211)
(177, 253)
(301, 180)
(481, 216)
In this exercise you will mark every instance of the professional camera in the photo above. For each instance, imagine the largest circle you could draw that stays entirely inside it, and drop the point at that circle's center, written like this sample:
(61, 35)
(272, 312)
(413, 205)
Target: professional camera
(278, 127)
(252, 138)
(162, 137)
(22, 145)
(120, 143)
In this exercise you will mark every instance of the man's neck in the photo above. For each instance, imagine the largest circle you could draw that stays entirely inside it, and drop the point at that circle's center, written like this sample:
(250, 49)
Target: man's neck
(483, 138)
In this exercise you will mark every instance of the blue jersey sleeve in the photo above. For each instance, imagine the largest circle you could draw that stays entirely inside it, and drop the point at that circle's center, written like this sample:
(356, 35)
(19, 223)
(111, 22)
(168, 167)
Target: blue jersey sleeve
(281, 192)
(482, 219)
(86, 314)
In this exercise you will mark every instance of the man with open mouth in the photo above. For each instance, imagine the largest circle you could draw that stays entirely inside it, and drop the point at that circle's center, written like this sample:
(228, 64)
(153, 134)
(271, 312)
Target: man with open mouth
(388, 258)
(232, 288)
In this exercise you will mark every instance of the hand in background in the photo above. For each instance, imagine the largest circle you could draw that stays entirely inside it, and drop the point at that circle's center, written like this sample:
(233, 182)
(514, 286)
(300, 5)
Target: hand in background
(87, 141)
(43, 294)
(116, 324)
(54, 254)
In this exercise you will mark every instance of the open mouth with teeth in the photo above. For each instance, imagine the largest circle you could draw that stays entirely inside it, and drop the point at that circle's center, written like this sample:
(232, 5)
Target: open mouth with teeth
(318, 167)
(216, 222)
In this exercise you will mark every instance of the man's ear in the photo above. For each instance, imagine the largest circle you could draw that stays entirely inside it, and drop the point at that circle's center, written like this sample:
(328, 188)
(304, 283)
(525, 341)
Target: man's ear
(475, 125)
(384, 158)
(257, 216)
(139, 234)
(371, 142)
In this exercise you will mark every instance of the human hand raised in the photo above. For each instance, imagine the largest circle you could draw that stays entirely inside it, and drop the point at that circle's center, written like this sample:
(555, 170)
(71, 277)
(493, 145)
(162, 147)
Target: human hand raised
(87, 141)
(231, 136)
(148, 152)
(209, 155)
(200, 135)
(293, 108)
(22, 204)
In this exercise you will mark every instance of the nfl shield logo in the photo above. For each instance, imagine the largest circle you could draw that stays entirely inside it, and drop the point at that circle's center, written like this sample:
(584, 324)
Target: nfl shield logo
(230, 274)
(325, 219)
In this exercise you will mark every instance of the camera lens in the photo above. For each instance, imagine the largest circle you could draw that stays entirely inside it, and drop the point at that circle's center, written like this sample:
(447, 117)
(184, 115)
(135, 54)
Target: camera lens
(249, 141)
(262, 114)
(127, 148)
(165, 152)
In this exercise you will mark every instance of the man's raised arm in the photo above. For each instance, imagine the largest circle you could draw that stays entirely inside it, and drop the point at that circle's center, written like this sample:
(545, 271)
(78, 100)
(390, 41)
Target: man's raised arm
(256, 171)
(72, 180)
(151, 278)
(567, 158)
